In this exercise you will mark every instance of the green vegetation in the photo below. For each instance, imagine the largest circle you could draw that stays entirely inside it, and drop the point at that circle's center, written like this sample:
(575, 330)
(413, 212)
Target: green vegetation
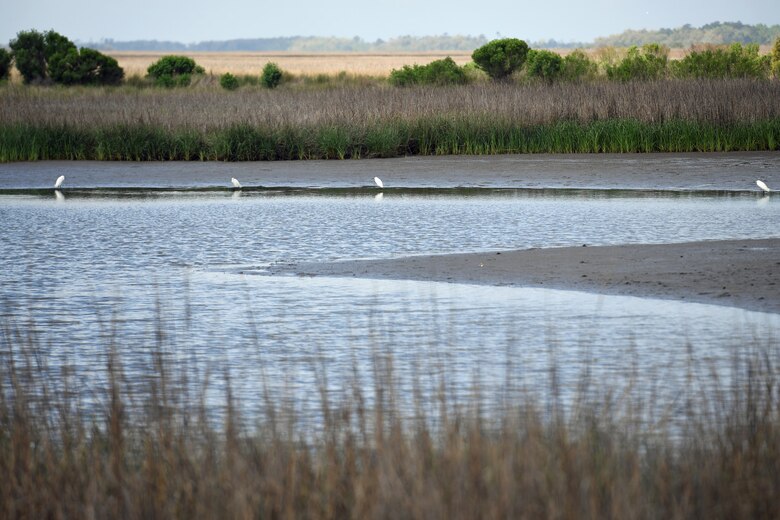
(427, 136)
(51, 57)
(500, 58)
(357, 121)
(577, 66)
(438, 72)
(776, 58)
(544, 65)
(228, 81)
(735, 62)
(5, 64)
(173, 71)
(147, 443)
(84, 67)
(271, 76)
(649, 63)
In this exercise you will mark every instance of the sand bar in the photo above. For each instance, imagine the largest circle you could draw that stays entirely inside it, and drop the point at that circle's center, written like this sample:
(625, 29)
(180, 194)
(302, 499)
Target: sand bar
(739, 273)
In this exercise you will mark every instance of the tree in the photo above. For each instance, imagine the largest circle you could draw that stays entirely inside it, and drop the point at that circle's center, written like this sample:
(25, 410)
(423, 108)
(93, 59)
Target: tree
(272, 75)
(85, 67)
(29, 53)
(5, 64)
(500, 58)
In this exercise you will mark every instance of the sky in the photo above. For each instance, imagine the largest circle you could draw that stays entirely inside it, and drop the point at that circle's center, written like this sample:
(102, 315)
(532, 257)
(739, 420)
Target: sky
(202, 20)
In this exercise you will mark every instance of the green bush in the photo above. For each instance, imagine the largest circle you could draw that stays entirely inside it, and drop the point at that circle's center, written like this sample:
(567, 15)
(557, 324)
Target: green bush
(228, 81)
(544, 65)
(500, 58)
(173, 71)
(648, 63)
(5, 64)
(85, 67)
(577, 66)
(438, 72)
(775, 58)
(271, 76)
(736, 61)
(32, 51)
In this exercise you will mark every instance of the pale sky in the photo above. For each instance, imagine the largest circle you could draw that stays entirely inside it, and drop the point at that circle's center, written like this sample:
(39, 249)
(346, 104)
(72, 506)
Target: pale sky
(201, 20)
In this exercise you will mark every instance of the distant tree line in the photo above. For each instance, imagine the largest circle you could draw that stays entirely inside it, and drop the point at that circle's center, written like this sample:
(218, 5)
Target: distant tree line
(715, 33)
(718, 33)
(304, 44)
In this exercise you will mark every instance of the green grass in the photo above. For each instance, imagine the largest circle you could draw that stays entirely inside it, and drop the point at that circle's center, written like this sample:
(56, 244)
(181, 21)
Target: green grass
(425, 136)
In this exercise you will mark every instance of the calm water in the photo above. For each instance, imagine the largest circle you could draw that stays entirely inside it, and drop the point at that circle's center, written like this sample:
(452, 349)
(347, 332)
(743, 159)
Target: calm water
(97, 266)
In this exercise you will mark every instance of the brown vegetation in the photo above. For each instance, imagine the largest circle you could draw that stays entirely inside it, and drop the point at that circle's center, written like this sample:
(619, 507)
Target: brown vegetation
(710, 101)
(146, 448)
(369, 64)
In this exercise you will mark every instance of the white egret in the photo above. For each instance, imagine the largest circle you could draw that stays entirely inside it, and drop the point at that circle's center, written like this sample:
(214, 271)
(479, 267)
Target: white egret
(761, 184)
(235, 182)
(59, 181)
(378, 182)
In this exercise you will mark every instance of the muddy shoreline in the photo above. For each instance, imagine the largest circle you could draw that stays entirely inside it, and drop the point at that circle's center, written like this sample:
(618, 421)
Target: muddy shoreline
(738, 273)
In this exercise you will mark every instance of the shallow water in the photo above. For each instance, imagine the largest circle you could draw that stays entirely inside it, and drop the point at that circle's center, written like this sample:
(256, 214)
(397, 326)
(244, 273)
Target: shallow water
(93, 266)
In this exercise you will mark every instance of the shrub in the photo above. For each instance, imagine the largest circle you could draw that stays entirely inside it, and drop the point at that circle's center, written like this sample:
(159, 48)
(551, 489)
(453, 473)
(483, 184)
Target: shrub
(172, 71)
(577, 66)
(228, 81)
(775, 56)
(545, 65)
(85, 67)
(735, 61)
(648, 63)
(5, 64)
(438, 72)
(32, 51)
(271, 76)
(500, 58)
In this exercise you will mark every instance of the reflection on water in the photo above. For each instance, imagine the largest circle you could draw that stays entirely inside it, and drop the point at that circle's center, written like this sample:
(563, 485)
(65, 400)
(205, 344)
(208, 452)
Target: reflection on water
(92, 269)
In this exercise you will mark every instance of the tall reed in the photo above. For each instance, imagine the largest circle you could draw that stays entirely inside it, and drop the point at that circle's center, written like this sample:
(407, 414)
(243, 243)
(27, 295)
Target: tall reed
(349, 122)
(149, 447)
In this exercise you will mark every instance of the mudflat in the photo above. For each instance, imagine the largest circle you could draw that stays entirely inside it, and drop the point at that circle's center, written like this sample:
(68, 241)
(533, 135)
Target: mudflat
(739, 273)
(733, 171)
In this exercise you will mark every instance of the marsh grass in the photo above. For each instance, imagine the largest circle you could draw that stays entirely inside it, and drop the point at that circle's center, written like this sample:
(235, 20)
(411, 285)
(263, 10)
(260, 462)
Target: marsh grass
(149, 446)
(358, 122)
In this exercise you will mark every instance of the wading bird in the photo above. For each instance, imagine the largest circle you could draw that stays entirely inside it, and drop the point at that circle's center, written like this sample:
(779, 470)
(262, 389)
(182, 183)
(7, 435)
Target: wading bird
(761, 184)
(59, 181)
(378, 182)
(236, 184)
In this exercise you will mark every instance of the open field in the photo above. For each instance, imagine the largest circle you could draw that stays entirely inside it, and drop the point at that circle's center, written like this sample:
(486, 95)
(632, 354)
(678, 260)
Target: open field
(368, 64)
(372, 64)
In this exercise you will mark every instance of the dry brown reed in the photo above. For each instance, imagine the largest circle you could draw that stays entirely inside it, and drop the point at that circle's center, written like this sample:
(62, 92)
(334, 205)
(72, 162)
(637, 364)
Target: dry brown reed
(711, 101)
(146, 451)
